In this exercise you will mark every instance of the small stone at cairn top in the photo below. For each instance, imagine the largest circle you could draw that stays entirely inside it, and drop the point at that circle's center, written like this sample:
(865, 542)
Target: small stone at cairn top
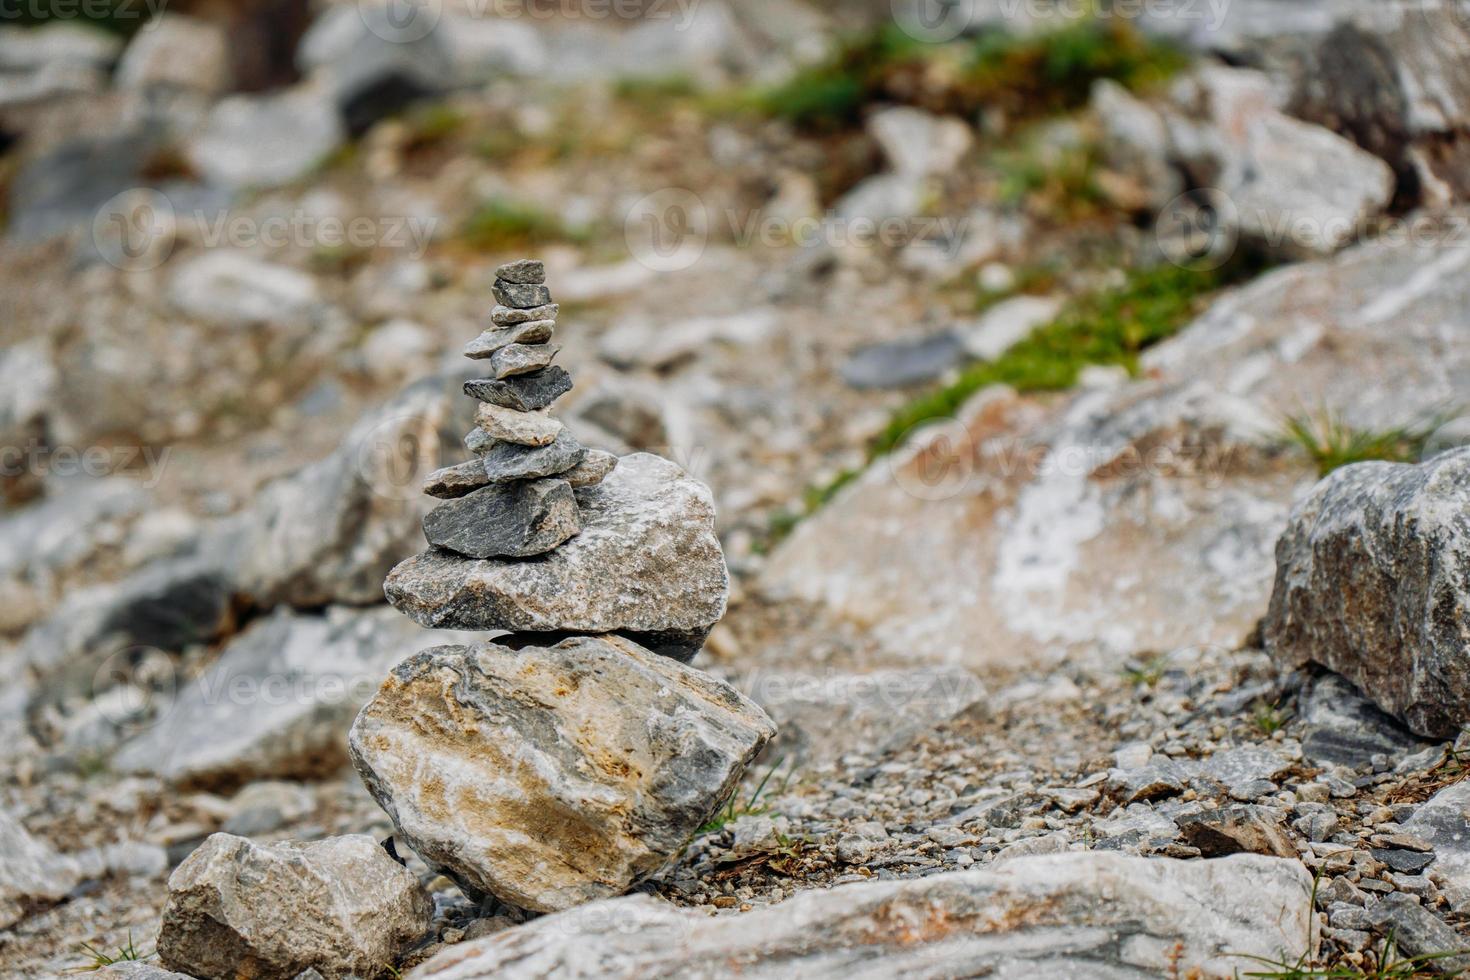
(514, 499)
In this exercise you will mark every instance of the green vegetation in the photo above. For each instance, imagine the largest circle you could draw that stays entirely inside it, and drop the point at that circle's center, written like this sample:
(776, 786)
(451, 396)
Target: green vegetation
(1146, 672)
(654, 92)
(501, 225)
(1268, 717)
(1110, 327)
(1331, 442)
(1024, 77)
(734, 809)
(101, 959)
(1055, 182)
(433, 124)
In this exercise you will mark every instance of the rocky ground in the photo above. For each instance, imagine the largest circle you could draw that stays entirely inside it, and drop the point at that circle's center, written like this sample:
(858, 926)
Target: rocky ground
(1142, 303)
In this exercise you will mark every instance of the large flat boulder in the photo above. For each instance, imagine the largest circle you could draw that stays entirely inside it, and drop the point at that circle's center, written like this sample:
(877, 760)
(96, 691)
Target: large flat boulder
(1373, 581)
(647, 563)
(1093, 915)
(1142, 517)
(278, 701)
(552, 776)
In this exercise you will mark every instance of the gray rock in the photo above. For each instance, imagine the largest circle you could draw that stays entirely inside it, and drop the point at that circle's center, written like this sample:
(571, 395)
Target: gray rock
(520, 428)
(1006, 324)
(1373, 582)
(457, 480)
(552, 776)
(917, 143)
(1419, 932)
(1241, 766)
(522, 296)
(340, 906)
(525, 332)
(1135, 144)
(1346, 729)
(900, 363)
(1236, 830)
(823, 716)
(56, 42)
(523, 392)
(506, 461)
(593, 469)
(67, 184)
(330, 531)
(266, 140)
(508, 520)
(1444, 821)
(177, 53)
(507, 316)
(523, 271)
(136, 970)
(521, 359)
(233, 288)
(640, 343)
(1064, 915)
(647, 563)
(478, 441)
(1161, 777)
(32, 876)
(277, 702)
(263, 807)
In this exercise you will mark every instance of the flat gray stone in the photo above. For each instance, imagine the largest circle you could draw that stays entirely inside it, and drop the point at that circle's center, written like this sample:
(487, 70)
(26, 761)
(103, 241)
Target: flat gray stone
(521, 359)
(521, 428)
(457, 480)
(552, 776)
(523, 392)
(525, 332)
(593, 469)
(508, 520)
(520, 295)
(526, 271)
(507, 316)
(647, 564)
(507, 461)
(1373, 582)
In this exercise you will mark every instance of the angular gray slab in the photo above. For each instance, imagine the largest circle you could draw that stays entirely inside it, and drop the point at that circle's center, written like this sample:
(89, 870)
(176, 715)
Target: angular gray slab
(509, 520)
(528, 332)
(1373, 582)
(457, 480)
(1095, 915)
(593, 469)
(647, 561)
(520, 295)
(522, 359)
(506, 461)
(552, 776)
(528, 271)
(505, 316)
(523, 392)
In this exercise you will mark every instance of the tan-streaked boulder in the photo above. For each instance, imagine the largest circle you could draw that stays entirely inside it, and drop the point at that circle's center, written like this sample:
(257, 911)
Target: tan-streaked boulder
(552, 776)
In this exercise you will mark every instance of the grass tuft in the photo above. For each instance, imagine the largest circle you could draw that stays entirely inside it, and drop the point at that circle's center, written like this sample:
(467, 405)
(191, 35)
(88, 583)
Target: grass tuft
(100, 959)
(502, 225)
(1331, 442)
(733, 809)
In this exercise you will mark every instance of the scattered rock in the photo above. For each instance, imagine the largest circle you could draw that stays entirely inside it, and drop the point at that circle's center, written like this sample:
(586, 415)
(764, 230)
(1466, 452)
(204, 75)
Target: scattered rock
(552, 776)
(1372, 578)
(1056, 915)
(917, 143)
(234, 288)
(1444, 822)
(32, 876)
(900, 363)
(340, 906)
(266, 806)
(660, 346)
(1236, 830)
(1417, 932)
(1006, 324)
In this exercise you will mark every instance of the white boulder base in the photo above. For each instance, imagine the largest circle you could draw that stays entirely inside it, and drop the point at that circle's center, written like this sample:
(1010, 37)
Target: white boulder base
(1087, 915)
(552, 776)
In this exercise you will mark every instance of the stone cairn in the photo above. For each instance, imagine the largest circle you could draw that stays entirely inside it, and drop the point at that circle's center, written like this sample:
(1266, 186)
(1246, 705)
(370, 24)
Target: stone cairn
(575, 756)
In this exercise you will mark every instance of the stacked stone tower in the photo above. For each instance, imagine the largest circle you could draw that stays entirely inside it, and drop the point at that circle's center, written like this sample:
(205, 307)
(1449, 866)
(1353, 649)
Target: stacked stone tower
(569, 760)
